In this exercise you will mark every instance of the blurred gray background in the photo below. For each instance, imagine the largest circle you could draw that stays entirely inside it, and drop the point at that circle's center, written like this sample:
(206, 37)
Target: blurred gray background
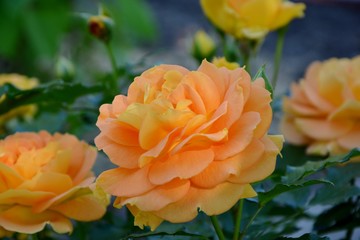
(329, 29)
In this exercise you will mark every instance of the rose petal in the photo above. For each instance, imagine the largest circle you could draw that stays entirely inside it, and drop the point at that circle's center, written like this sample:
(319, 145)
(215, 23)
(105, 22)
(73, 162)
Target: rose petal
(83, 208)
(351, 139)
(264, 165)
(205, 87)
(51, 182)
(212, 201)
(291, 131)
(9, 178)
(183, 165)
(348, 110)
(120, 133)
(259, 101)
(325, 130)
(144, 218)
(125, 182)
(158, 197)
(161, 148)
(24, 197)
(240, 135)
(126, 157)
(22, 219)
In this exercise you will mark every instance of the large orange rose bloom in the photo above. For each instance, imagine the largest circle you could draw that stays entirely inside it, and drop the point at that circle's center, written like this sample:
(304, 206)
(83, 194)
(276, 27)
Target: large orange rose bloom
(46, 179)
(186, 140)
(251, 19)
(324, 109)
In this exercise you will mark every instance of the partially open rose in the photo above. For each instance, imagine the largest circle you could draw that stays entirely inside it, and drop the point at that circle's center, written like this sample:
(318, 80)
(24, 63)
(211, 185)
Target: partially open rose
(186, 140)
(46, 179)
(251, 19)
(323, 111)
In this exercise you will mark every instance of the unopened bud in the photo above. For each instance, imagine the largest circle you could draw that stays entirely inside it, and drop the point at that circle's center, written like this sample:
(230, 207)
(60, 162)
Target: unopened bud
(101, 27)
(64, 69)
(203, 46)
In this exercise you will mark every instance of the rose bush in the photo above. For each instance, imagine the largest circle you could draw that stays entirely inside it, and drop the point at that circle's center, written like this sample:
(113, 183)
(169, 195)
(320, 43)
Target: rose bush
(324, 109)
(186, 140)
(23, 83)
(46, 179)
(251, 19)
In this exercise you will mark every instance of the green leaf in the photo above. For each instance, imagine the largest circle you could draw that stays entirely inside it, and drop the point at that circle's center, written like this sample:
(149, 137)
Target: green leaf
(298, 198)
(340, 217)
(261, 74)
(162, 234)
(343, 175)
(308, 236)
(54, 95)
(265, 197)
(298, 173)
(331, 195)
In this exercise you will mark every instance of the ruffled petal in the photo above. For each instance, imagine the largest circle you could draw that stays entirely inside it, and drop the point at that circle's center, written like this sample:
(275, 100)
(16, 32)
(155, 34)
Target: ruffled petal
(263, 166)
(22, 219)
(159, 197)
(126, 157)
(183, 165)
(212, 201)
(240, 135)
(83, 208)
(324, 129)
(125, 182)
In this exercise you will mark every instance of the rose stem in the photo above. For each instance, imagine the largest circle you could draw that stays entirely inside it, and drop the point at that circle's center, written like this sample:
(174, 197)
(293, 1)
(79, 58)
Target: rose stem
(238, 219)
(114, 85)
(278, 55)
(215, 223)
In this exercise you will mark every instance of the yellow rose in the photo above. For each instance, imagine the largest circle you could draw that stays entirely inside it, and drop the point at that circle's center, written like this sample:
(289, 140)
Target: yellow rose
(46, 179)
(23, 83)
(222, 62)
(251, 19)
(186, 140)
(324, 109)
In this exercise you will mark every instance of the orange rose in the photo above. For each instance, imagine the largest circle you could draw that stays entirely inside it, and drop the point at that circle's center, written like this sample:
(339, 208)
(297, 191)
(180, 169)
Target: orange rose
(324, 109)
(46, 179)
(186, 140)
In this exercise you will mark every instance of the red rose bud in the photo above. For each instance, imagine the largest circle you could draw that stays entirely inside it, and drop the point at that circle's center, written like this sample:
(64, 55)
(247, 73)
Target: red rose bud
(101, 27)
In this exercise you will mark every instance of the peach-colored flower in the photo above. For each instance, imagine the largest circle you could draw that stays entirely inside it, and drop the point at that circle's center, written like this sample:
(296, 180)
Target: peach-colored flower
(46, 179)
(251, 19)
(324, 109)
(186, 140)
(23, 83)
